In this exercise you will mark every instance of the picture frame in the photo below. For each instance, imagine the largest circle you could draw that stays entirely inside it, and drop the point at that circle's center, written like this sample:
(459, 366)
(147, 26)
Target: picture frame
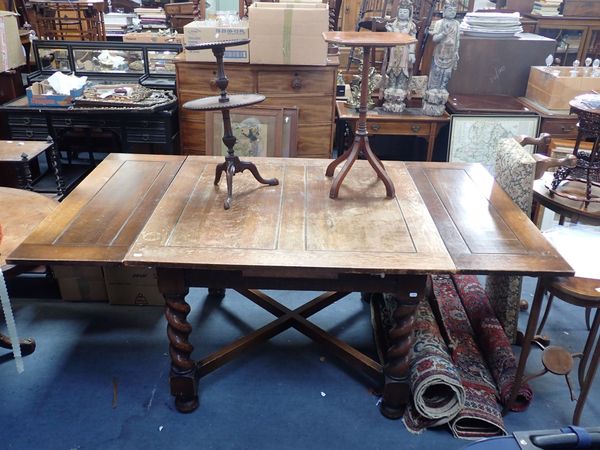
(260, 131)
(473, 137)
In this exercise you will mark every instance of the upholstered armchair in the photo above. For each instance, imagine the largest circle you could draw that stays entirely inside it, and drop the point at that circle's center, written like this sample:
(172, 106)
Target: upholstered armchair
(515, 170)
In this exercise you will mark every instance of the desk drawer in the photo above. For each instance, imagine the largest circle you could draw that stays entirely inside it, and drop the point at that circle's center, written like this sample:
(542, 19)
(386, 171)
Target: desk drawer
(563, 128)
(27, 120)
(84, 122)
(296, 82)
(37, 134)
(144, 135)
(404, 129)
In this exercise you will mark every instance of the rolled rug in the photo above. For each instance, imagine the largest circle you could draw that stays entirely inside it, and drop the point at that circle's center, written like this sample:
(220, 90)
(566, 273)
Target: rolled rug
(437, 392)
(481, 416)
(492, 340)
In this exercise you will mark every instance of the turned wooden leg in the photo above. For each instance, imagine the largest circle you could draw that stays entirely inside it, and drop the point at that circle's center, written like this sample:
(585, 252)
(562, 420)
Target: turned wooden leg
(183, 376)
(396, 391)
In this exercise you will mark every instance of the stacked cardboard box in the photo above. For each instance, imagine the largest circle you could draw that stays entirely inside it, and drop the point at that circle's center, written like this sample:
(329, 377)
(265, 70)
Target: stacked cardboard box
(81, 283)
(132, 286)
(202, 31)
(288, 33)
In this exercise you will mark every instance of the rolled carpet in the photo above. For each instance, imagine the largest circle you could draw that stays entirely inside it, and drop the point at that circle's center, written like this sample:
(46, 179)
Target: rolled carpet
(437, 392)
(481, 416)
(492, 340)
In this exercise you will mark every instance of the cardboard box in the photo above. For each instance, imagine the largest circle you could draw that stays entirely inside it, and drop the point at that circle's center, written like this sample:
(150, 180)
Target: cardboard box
(81, 284)
(581, 8)
(12, 54)
(555, 88)
(288, 33)
(153, 38)
(132, 286)
(200, 31)
(37, 95)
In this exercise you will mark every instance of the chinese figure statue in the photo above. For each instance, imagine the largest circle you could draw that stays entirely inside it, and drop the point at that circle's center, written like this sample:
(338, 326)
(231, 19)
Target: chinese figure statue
(402, 58)
(445, 35)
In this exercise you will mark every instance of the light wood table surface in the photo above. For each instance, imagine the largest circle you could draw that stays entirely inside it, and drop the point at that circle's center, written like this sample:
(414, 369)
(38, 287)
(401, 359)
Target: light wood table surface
(166, 213)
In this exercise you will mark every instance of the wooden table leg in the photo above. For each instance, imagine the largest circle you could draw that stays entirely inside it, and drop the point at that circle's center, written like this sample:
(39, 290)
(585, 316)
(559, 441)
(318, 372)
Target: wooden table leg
(184, 376)
(396, 391)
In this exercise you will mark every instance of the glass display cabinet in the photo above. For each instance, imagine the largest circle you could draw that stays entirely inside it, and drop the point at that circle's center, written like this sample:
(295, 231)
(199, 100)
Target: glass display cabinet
(149, 64)
(576, 37)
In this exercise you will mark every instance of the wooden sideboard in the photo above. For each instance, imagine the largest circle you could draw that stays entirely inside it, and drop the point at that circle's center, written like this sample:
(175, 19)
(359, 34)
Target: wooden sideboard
(309, 88)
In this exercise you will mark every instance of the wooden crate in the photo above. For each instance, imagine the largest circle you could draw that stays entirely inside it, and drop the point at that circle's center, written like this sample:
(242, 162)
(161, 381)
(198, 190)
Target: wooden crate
(554, 88)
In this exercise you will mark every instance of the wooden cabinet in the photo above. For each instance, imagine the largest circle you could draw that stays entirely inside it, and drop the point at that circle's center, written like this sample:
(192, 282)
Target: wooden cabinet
(309, 88)
(576, 37)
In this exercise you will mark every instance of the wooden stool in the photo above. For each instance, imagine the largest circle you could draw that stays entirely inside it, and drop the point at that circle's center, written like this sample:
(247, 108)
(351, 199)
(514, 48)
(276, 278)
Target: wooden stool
(577, 291)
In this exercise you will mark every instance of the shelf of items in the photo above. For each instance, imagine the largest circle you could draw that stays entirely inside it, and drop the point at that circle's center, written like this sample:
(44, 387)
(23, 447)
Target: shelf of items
(576, 37)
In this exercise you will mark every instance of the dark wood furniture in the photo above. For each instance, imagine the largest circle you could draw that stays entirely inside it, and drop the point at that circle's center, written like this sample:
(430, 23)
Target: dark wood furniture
(21, 212)
(560, 124)
(408, 123)
(486, 104)
(126, 129)
(170, 216)
(309, 88)
(20, 166)
(368, 41)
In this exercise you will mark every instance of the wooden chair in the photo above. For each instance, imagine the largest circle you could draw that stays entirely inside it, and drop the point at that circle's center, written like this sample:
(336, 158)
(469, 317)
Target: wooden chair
(71, 21)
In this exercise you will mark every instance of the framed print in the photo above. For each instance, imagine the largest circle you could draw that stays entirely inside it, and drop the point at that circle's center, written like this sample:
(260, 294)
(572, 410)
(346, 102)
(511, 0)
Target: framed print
(258, 132)
(474, 138)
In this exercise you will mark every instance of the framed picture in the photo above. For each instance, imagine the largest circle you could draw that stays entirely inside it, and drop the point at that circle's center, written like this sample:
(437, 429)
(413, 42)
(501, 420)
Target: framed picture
(473, 138)
(259, 131)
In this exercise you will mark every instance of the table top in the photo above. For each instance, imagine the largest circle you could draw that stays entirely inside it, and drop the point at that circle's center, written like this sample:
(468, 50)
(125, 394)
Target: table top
(20, 212)
(486, 104)
(12, 150)
(368, 38)
(165, 211)
(380, 115)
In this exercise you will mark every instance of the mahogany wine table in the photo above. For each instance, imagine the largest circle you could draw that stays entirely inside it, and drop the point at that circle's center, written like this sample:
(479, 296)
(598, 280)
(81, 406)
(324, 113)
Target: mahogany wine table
(165, 212)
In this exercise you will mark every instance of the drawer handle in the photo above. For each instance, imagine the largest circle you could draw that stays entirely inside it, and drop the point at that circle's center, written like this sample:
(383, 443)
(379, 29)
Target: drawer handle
(415, 128)
(296, 83)
(375, 127)
(101, 123)
(145, 124)
(27, 120)
(146, 137)
(28, 133)
(68, 122)
(213, 83)
(566, 129)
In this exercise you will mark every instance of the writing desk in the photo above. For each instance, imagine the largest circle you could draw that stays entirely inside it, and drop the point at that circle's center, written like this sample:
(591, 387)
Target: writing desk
(165, 212)
(408, 123)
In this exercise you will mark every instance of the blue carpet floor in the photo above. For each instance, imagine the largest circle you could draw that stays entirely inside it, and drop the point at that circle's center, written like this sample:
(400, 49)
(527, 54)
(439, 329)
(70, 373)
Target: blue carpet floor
(99, 380)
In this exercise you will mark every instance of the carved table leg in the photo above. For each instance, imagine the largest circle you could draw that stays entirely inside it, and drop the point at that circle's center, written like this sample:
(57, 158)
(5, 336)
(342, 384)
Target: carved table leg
(27, 345)
(183, 376)
(396, 391)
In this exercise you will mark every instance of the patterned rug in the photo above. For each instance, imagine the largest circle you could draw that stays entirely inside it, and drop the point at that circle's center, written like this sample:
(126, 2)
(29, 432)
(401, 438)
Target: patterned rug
(493, 342)
(437, 392)
(481, 415)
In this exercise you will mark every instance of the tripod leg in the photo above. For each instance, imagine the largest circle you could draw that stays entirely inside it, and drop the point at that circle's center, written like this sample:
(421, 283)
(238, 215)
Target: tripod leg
(243, 165)
(340, 159)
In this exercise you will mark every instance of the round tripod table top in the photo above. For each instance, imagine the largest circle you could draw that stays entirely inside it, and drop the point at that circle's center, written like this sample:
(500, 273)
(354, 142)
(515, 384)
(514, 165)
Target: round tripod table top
(21, 212)
(215, 103)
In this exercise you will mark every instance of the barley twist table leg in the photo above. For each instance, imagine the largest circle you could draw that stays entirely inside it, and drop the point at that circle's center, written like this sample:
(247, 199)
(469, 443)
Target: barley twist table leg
(183, 376)
(396, 391)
